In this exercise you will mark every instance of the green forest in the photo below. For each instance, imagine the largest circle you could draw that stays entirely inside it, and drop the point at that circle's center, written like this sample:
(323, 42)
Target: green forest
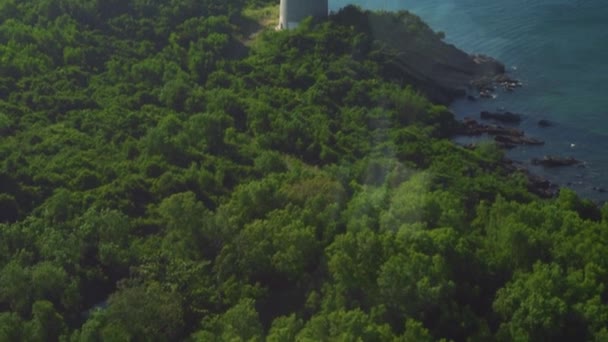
(165, 176)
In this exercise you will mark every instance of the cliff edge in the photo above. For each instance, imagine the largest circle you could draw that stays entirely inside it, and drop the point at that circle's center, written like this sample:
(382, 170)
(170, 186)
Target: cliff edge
(417, 55)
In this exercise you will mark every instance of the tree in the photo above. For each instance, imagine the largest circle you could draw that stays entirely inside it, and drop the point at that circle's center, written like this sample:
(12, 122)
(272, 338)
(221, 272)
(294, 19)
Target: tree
(279, 246)
(354, 261)
(188, 231)
(343, 325)
(106, 234)
(144, 313)
(46, 323)
(532, 305)
(414, 285)
(414, 202)
(49, 282)
(415, 332)
(9, 208)
(239, 323)
(517, 235)
(15, 287)
(284, 329)
(11, 327)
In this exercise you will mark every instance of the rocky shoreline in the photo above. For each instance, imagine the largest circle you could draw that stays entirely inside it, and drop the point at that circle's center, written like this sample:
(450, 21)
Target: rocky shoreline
(507, 137)
(536, 184)
(420, 57)
(444, 73)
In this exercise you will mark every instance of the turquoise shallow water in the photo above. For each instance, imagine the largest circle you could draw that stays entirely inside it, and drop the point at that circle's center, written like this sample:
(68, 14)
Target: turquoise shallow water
(559, 50)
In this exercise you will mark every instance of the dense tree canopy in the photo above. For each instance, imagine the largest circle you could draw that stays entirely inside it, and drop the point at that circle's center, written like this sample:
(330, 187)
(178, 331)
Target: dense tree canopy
(164, 178)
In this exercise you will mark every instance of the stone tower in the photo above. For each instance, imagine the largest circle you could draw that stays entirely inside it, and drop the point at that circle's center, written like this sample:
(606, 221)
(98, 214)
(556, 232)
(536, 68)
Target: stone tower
(293, 11)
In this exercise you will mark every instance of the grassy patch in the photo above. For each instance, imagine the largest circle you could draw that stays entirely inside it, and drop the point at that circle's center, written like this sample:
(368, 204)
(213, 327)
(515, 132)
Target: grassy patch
(267, 17)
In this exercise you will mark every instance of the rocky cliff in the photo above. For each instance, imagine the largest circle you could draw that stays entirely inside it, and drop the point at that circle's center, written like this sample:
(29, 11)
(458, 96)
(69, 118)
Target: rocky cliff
(415, 54)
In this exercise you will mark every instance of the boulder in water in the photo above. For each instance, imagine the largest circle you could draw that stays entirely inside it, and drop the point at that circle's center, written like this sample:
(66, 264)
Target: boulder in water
(552, 161)
(506, 117)
(517, 140)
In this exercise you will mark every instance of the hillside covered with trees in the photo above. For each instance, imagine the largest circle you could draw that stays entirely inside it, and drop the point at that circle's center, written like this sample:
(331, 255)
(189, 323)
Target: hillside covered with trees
(163, 179)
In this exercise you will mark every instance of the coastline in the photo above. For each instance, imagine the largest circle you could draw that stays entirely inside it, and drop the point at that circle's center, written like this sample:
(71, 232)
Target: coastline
(545, 181)
(414, 54)
(561, 82)
(506, 138)
(447, 75)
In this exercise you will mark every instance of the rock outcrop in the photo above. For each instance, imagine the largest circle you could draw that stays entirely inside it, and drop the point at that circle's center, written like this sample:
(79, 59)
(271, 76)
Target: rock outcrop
(510, 141)
(535, 184)
(415, 54)
(506, 117)
(505, 137)
(552, 161)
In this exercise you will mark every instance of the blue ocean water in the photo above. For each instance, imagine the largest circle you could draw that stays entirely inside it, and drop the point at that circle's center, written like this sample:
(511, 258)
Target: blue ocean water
(559, 50)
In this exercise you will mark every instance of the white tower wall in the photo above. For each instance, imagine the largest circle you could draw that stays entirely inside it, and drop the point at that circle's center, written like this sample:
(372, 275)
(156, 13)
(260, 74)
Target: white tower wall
(293, 11)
